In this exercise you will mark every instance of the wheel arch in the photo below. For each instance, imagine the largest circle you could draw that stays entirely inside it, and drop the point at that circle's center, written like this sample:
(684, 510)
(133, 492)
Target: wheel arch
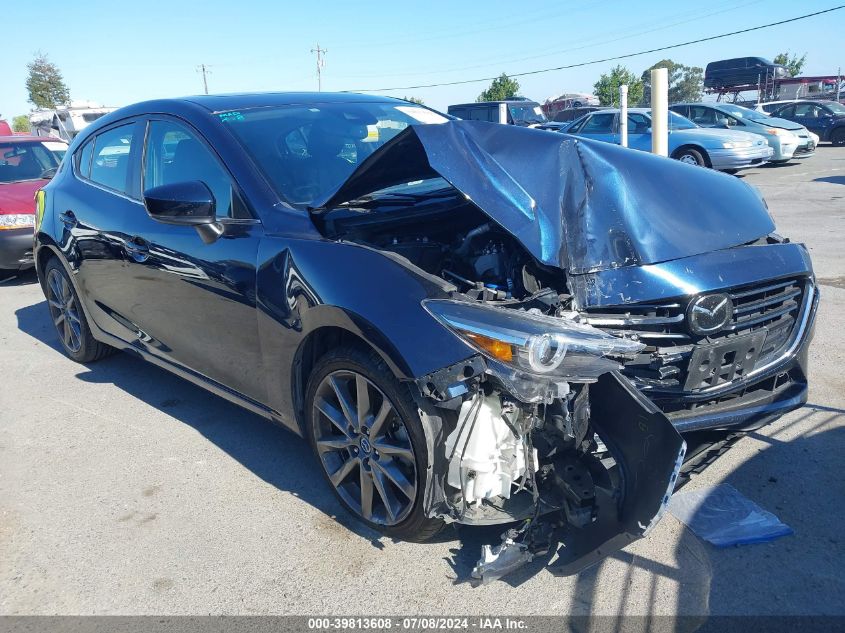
(328, 336)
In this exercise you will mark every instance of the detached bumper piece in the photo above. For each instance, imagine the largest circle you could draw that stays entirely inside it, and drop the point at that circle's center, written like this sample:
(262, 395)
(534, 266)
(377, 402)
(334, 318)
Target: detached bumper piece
(604, 501)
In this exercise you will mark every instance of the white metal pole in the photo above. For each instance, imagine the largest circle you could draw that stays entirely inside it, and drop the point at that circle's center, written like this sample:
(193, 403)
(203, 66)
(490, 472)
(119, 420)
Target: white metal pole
(660, 111)
(623, 115)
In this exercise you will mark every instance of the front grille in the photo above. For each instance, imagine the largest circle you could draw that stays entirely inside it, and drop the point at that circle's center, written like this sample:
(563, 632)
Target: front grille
(764, 320)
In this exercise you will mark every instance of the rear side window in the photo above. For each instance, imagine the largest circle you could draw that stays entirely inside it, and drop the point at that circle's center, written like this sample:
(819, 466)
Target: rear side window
(110, 165)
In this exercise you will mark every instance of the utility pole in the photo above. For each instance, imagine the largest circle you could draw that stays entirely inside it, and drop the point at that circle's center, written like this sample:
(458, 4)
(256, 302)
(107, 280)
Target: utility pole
(202, 68)
(321, 62)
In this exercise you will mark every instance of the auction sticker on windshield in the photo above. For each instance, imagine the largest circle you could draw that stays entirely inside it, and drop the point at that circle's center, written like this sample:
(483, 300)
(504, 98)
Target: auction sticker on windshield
(422, 115)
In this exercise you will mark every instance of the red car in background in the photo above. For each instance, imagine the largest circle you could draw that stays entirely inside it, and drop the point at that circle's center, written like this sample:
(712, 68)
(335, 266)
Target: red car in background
(26, 164)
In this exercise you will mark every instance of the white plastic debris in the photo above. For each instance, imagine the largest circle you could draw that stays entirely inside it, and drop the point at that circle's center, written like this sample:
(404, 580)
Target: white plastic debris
(486, 458)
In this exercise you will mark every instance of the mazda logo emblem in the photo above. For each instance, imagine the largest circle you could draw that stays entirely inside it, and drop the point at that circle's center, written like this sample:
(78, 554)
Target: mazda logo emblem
(709, 313)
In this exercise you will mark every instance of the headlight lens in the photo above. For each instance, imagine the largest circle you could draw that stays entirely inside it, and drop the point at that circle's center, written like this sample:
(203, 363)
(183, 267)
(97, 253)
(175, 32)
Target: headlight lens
(545, 352)
(10, 221)
(785, 135)
(525, 347)
(736, 144)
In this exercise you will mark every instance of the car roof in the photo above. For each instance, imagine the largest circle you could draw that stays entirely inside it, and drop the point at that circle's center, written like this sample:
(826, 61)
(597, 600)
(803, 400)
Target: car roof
(222, 102)
(24, 138)
(816, 101)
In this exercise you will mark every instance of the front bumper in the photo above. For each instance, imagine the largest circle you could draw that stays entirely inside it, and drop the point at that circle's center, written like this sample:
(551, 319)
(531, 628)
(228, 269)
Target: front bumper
(16, 249)
(803, 148)
(722, 159)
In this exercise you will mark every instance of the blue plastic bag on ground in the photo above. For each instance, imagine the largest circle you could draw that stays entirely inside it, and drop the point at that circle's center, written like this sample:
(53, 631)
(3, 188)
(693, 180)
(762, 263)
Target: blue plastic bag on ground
(723, 516)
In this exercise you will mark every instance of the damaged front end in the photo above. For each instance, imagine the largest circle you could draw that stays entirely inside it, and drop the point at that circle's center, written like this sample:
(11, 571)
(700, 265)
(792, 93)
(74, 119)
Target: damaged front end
(546, 432)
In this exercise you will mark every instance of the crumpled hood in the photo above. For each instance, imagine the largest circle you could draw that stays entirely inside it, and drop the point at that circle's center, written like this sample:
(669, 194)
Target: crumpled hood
(575, 204)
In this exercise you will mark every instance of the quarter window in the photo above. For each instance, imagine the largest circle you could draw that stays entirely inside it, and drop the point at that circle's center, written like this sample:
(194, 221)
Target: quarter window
(175, 154)
(111, 165)
(84, 164)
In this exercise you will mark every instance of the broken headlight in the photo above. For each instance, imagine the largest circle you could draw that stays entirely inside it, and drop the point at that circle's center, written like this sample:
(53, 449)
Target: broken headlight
(532, 353)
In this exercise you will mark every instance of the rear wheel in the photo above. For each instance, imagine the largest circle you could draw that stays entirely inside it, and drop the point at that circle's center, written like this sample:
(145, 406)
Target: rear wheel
(68, 317)
(365, 430)
(690, 156)
(838, 137)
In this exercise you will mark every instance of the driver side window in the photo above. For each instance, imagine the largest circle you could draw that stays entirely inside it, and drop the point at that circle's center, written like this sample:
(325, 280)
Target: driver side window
(175, 154)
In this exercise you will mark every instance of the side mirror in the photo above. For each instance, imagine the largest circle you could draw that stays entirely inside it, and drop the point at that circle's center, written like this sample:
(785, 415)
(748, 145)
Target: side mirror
(189, 203)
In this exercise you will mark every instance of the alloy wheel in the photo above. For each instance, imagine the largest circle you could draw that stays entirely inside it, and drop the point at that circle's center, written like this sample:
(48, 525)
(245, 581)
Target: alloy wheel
(689, 159)
(64, 310)
(364, 448)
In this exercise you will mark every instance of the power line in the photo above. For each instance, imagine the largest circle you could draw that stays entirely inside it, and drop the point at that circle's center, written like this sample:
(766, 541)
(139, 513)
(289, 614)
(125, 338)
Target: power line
(625, 34)
(606, 59)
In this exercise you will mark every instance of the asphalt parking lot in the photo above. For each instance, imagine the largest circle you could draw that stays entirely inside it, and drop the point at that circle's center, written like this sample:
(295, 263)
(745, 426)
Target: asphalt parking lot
(124, 490)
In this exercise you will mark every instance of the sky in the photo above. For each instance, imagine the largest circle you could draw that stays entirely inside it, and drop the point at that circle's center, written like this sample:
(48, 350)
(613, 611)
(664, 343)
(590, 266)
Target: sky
(116, 52)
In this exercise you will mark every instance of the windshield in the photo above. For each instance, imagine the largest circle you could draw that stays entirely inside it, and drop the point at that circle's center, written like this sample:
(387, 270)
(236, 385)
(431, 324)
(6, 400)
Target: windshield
(526, 114)
(29, 161)
(307, 152)
(836, 108)
(744, 113)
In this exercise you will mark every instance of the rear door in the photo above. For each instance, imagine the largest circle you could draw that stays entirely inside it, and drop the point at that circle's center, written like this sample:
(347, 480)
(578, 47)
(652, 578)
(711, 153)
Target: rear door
(92, 205)
(193, 303)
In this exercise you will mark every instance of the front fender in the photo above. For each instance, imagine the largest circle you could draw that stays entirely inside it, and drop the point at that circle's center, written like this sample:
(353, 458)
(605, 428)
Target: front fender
(304, 285)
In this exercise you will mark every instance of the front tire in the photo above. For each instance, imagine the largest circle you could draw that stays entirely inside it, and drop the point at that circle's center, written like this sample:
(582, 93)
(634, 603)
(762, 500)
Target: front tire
(366, 433)
(838, 137)
(68, 317)
(690, 156)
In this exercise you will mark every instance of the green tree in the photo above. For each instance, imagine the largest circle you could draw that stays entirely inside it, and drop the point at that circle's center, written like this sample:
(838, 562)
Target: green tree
(685, 82)
(414, 100)
(607, 87)
(503, 87)
(793, 63)
(21, 123)
(46, 87)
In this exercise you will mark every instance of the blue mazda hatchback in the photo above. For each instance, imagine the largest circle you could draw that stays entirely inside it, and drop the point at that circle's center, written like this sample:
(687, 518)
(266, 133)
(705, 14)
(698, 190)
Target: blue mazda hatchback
(468, 322)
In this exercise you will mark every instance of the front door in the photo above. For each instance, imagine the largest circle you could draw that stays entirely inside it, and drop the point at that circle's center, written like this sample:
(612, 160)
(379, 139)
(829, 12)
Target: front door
(194, 302)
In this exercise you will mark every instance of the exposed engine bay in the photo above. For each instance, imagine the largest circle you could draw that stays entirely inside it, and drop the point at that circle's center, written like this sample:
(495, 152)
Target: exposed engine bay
(462, 246)
(539, 428)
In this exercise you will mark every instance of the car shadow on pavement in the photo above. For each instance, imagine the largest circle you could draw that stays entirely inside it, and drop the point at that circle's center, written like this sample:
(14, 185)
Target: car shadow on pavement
(835, 180)
(795, 475)
(23, 278)
(272, 453)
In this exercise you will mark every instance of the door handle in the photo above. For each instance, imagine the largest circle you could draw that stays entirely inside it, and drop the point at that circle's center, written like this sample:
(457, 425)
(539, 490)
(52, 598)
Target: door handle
(68, 218)
(137, 248)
